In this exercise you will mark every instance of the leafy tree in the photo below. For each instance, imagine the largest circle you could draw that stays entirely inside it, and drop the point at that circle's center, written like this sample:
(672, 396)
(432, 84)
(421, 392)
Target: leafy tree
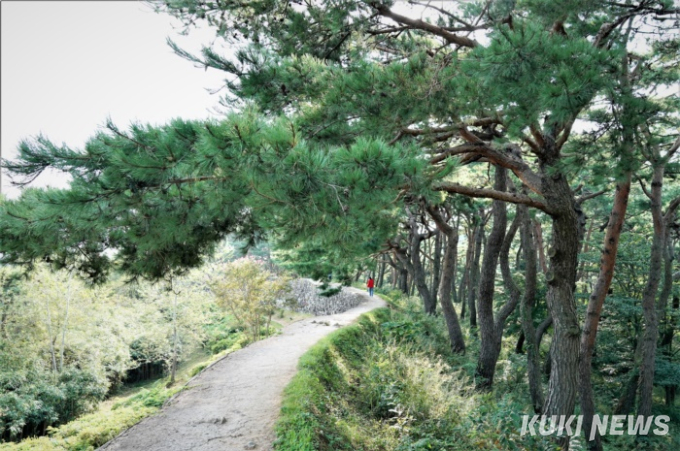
(249, 292)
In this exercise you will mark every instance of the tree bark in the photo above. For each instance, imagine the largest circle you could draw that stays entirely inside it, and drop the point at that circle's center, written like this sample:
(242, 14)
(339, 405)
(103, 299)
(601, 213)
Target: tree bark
(469, 255)
(561, 280)
(474, 273)
(445, 284)
(597, 297)
(436, 268)
(586, 248)
(490, 336)
(519, 346)
(651, 330)
(528, 301)
(416, 269)
(540, 246)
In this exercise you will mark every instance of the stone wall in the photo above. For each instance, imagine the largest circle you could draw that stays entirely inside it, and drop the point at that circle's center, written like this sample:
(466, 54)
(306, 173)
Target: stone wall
(305, 292)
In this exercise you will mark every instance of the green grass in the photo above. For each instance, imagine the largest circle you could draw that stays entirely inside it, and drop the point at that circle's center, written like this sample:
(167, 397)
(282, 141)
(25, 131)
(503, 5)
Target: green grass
(379, 384)
(389, 382)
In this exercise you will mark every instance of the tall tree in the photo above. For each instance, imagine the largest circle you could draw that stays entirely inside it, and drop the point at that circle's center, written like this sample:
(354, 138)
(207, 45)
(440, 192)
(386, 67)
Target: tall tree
(505, 83)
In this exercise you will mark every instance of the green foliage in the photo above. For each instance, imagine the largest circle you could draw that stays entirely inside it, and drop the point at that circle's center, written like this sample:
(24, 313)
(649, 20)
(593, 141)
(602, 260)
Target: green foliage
(372, 386)
(93, 430)
(155, 396)
(33, 400)
(249, 292)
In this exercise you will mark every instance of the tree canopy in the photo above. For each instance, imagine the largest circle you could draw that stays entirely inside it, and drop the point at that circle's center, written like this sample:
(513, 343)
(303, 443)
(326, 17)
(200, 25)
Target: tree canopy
(357, 124)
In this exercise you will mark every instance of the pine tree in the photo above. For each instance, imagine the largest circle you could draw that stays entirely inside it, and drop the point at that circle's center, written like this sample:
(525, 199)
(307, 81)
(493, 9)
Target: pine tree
(362, 114)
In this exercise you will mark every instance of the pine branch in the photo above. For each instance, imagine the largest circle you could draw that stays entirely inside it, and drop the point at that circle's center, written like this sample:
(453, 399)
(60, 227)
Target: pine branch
(425, 26)
(513, 198)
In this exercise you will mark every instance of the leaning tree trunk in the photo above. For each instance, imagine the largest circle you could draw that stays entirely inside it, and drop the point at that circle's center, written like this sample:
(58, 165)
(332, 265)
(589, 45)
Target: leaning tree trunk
(490, 336)
(604, 280)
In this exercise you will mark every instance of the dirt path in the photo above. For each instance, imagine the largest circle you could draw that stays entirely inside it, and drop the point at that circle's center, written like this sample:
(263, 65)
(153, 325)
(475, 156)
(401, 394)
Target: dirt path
(234, 404)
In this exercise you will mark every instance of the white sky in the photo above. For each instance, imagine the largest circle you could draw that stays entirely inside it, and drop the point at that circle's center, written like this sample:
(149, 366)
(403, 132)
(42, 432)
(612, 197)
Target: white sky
(68, 65)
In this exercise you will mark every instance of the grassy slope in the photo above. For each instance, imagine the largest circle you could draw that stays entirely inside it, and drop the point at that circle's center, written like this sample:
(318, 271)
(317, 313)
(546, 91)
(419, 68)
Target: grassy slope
(388, 382)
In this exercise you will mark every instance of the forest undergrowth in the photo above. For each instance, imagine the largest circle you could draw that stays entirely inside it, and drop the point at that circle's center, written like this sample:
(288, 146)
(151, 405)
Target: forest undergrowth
(390, 382)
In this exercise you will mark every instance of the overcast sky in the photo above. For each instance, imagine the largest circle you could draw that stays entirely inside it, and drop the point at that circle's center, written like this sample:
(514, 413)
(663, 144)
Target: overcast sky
(68, 65)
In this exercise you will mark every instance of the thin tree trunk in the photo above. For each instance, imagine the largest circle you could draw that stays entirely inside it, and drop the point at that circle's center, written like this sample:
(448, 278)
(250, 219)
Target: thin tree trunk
(436, 268)
(540, 246)
(586, 248)
(381, 272)
(489, 335)
(651, 330)
(445, 285)
(474, 274)
(542, 329)
(597, 297)
(528, 300)
(416, 268)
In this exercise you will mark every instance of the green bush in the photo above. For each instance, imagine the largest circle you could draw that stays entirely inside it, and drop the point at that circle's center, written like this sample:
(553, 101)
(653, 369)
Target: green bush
(33, 400)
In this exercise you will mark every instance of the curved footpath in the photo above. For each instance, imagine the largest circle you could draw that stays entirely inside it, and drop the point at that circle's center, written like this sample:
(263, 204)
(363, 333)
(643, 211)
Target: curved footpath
(233, 404)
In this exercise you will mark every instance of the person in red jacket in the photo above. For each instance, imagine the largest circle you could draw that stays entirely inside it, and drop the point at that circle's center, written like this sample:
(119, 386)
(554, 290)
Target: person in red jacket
(370, 284)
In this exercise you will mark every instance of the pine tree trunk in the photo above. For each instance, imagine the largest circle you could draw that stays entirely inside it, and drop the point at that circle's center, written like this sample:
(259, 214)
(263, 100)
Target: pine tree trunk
(528, 300)
(667, 342)
(519, 346)
(489, 335)
(449, 312)
(173, 363)
(445, 284)
(651, 330)
(381, 273)
(415, 268)
(436, 267)
(542, 329)
(474, 274)
(403, 280)
(561, 280)
(540, 245)
(586, 248)
(597, 297)
(469, 255)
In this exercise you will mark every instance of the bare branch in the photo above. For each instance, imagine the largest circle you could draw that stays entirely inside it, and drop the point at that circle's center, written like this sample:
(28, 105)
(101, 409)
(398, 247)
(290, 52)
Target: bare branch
(586, 197)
